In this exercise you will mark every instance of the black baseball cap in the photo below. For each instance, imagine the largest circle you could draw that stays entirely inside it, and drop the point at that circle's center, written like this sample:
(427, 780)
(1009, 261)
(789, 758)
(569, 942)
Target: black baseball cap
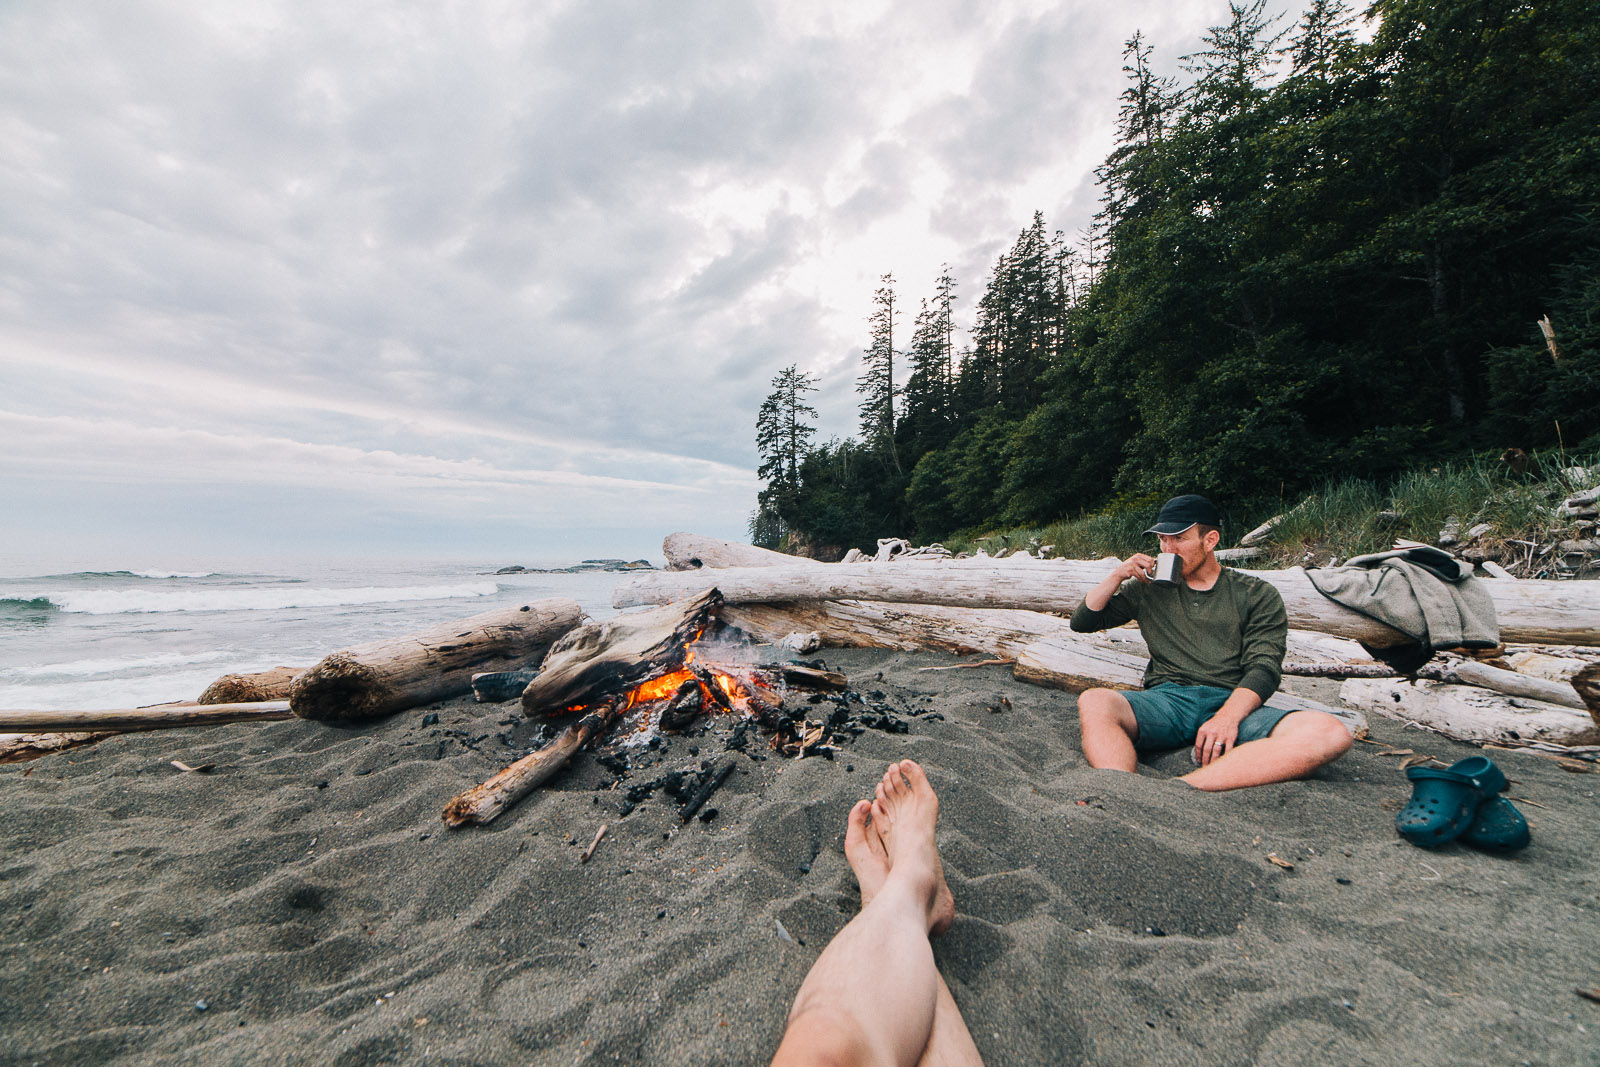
(1182, 512)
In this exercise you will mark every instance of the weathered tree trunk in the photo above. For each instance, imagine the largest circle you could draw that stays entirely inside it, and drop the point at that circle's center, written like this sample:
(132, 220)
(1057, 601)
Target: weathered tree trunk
(19, 748)
(1468, 713)
(601, 659)
(384, 677)
(482, 803)
(155, 718)
(691, 551)
(1511, 683)
(859, 624)
(250, 688)
(1528, 611)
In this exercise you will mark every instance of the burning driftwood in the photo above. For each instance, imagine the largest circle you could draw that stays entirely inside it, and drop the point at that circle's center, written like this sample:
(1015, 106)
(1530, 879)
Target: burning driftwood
(384, 677)
(651, 666)
(482, 803)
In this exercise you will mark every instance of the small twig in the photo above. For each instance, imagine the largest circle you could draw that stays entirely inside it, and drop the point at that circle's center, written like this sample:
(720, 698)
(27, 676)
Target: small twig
(978, 663)
(598, 834)
(1525, 800)
(1593, 993)
(1436, 875)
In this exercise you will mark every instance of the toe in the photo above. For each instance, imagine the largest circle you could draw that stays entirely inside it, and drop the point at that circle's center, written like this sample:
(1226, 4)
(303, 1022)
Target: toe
(916, 778)
(855, 833)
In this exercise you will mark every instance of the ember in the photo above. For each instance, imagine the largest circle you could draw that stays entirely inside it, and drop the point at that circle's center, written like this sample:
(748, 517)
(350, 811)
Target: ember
(656, 670)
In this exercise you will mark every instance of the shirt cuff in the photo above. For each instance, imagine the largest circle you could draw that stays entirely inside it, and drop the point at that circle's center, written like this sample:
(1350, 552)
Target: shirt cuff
(1260, 681)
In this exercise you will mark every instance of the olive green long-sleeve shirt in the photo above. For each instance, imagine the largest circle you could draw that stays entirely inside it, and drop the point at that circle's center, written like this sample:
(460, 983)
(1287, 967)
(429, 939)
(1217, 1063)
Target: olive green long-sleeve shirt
(1232, 635)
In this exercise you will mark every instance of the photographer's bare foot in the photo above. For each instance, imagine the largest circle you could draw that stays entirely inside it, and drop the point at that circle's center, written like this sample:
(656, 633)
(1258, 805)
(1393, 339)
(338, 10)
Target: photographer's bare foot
(863, 847)
(905, 815)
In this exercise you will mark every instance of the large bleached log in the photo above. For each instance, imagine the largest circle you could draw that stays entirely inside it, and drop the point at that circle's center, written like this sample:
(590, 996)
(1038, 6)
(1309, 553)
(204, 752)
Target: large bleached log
(866, 624)
(600, 659)
(161, 716)
(691, 551)
(388, 676)
(482, 803)
(1528, 611)
(1468, 713)
(250, 688)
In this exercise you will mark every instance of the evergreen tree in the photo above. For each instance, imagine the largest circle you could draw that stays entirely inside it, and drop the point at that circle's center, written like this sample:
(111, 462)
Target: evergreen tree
(876, 384)
(783, 438)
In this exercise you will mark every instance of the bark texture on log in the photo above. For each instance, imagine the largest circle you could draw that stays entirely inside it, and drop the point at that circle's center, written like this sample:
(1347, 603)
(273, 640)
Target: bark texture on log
(1528, 611)
(482, 803)
(250, 688)
(19, 748)
(1587, 685)
(1468, 713)
(384, 677)
(600, 659)
(161, 716)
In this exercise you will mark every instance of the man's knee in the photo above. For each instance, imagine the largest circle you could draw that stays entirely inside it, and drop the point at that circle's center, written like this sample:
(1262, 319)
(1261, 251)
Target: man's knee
(1322, 735)
(1102, 705)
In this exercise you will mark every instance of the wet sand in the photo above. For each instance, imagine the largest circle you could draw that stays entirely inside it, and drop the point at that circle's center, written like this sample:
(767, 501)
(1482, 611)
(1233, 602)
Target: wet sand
(303, 903)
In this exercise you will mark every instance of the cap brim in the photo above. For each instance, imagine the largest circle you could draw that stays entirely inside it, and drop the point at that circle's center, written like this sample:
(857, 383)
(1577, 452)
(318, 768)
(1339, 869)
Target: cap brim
(1170, 529)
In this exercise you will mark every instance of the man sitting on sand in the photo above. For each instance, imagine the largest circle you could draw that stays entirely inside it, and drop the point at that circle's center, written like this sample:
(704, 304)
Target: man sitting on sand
(874, 996)
(1216, 638)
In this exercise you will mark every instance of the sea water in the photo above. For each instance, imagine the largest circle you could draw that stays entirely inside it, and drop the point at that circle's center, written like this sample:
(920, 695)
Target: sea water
(128, 634)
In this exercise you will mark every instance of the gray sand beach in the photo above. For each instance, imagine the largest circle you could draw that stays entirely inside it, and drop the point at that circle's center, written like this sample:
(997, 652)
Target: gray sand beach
(302, 903)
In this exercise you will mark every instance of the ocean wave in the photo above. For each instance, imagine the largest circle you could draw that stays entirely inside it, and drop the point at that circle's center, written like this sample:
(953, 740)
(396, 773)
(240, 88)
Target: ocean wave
(234, 598)
(119, 665)
(25, 603)
(155, 574)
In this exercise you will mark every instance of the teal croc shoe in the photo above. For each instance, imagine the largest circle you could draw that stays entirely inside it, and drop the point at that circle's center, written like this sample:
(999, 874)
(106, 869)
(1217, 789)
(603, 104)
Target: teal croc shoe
(1497, 827)
(1445, 802)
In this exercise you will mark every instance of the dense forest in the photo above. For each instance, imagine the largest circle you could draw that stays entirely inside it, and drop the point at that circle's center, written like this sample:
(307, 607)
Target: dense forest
(1316, 256)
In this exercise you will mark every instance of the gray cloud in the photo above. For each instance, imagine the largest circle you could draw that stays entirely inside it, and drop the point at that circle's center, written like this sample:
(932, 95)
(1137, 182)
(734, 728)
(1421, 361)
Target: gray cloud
(501, 239)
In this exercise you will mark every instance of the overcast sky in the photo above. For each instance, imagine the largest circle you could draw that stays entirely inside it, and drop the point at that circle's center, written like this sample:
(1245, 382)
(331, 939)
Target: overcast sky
(499, 279)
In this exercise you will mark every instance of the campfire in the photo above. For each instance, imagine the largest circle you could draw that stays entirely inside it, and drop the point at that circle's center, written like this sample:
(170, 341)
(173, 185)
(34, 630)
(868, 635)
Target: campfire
(637, 675)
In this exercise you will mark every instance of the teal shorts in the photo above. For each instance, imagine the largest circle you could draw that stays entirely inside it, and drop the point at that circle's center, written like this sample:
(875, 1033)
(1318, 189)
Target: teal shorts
(1170, 715)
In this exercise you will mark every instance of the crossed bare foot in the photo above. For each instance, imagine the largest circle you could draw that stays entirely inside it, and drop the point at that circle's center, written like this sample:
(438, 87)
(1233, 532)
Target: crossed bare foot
(892, 836)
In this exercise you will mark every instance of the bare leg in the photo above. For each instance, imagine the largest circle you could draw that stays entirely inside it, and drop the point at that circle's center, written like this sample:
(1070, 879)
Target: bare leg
(1300, 743)
(874, 995)
(1109, 729)
(951, 1043)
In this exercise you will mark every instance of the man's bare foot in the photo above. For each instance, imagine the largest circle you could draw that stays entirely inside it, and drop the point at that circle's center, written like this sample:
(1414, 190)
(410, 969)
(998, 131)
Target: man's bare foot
(905, 815)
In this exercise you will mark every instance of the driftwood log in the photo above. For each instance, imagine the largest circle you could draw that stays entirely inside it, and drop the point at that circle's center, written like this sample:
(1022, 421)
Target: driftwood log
(1528, 611)
(497, 686)
(161, 716)
(599, 659)
(384, 677)
(250, 688)
(1509, 683)
(482, 803)
(19, 748)
(1469, 713)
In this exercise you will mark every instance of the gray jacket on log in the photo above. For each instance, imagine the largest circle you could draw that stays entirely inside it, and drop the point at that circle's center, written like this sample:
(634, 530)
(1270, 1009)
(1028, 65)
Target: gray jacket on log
(1428, 595)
